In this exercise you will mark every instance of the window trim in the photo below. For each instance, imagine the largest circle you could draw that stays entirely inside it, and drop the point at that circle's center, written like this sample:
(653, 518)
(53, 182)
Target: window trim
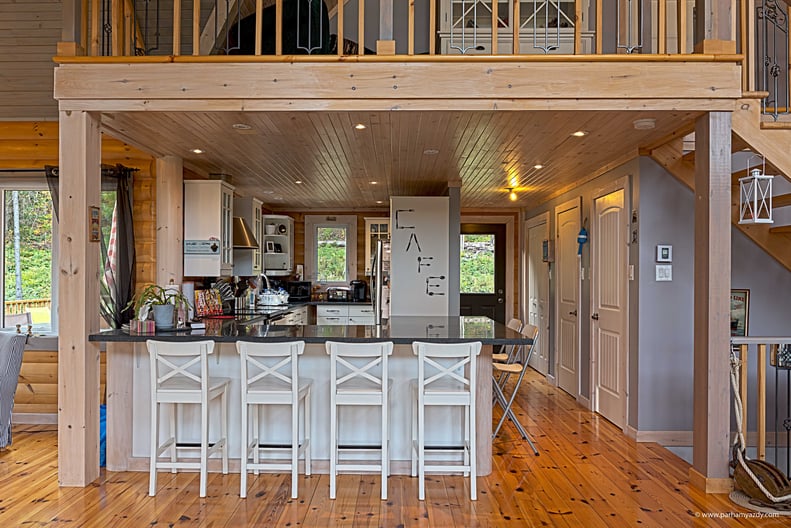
(312, 223)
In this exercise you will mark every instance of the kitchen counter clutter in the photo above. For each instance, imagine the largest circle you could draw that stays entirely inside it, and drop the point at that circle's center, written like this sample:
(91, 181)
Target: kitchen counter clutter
(128, 379)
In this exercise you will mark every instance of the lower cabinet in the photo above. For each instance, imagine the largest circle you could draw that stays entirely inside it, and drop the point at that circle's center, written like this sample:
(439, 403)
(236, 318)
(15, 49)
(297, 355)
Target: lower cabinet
(297, 316)
(344, 315)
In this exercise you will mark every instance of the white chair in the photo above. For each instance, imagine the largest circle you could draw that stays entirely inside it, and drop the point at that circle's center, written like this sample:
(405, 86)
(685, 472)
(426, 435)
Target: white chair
(180, 375)
(358, 376)
(446, 377)
(269, 376)
(509, 350)
(500, 375)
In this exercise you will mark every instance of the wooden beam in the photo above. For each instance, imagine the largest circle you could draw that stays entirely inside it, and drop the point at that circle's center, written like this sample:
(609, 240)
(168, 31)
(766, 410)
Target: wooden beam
(78, 272)
(170, 219)
(711, 408)
(772, 144)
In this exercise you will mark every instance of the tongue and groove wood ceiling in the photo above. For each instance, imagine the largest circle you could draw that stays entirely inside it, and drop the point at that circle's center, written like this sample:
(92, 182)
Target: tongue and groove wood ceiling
(405, 153)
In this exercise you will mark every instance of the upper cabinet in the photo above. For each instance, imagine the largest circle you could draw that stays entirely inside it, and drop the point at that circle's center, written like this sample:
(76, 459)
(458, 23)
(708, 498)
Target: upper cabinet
(249, 262)
(278, 245)
(545, 26)
(208, 228)
(375, 229)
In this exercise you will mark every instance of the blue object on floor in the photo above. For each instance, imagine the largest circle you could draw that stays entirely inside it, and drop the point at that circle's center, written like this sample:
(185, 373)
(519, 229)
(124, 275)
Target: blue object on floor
(102, 435)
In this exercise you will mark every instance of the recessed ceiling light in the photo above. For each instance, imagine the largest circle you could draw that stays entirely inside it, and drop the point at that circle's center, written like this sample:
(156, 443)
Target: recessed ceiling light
(648, 123)
(512, 195)
(298, 182)
(580, 133)
(360, 126)
(267, 192)
(431, 152)
(241, 126)
(373, 182)
(379, 201)
(197, 151)
(538, 166)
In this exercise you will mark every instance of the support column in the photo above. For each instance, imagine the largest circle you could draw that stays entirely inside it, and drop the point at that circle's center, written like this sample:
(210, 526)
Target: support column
(78, 294)
(710, 437)
(454, 249)
(170, 219)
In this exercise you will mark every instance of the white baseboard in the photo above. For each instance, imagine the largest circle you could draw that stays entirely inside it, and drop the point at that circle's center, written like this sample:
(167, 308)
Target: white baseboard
(34, 418)
(630, 432)
(585, 402)
(665, 438)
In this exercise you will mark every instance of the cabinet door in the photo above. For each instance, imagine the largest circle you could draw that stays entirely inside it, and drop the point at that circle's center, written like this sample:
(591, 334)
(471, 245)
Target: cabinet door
(375, 229)
(227, 230)
(258, 231)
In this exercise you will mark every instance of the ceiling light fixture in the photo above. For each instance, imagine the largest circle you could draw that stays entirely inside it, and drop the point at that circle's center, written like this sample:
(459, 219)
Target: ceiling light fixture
(580, 133)
(241, 126)
(431, 152)
(197, 151)
(648, 123)
(373, 182)
(379, 201)
(298, 182)
(538, 166)
(360, 126)
(512, 194)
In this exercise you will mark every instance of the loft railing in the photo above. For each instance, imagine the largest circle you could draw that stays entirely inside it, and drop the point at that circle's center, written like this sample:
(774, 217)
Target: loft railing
(416, 27)
(764, 367)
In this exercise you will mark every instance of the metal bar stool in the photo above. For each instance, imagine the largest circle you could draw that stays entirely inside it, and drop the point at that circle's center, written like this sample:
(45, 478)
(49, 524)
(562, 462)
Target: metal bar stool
(179, 375)
(446, 377)
(269, 376)
(358, 376)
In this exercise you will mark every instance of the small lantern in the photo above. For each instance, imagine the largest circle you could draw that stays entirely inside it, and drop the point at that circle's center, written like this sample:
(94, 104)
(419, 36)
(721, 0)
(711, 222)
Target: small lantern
(755, 197)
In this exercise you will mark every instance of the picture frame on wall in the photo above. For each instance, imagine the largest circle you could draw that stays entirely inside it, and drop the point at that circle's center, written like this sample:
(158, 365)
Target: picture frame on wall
(270, 246)
(740, 312)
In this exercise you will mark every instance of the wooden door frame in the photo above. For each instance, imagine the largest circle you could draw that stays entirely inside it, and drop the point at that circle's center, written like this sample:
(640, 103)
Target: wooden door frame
(510, 227)
(568, 204)
(613, 186)
(530, 223)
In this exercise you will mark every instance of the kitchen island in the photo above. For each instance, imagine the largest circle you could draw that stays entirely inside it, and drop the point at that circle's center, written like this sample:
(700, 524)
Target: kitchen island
(128, 378)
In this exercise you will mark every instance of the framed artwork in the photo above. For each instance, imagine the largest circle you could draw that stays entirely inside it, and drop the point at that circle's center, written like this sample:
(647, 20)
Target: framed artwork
(740, 312)
(270, 246)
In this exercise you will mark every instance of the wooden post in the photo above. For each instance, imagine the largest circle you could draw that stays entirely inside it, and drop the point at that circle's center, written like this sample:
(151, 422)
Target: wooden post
(761, 422)
(432, 27)
(483, 410)
(259, 24)
(599, 26)
(495, 24)
(661, 16)
(78, 271)
(515, 23)
(340, 27)
(169, 221)
(714, 26)
(120, 363)
(196, 27)
(711, 425)
(71, 32)
(177, 28)
(743, 387)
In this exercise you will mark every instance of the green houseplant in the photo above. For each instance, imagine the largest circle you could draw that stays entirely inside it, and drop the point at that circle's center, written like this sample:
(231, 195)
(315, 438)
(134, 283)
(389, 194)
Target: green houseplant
(160, 302)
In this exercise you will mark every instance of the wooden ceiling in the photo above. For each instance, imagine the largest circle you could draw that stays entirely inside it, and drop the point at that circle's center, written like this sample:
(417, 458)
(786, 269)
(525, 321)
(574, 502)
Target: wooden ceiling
(404, 152)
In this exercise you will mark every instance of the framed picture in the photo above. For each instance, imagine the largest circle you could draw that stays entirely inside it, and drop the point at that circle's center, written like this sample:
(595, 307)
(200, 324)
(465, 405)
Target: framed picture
(740, 312)
(278, 248)
(270, 246)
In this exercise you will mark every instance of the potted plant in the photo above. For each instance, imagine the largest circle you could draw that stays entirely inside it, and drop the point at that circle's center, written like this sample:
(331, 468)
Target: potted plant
(159, 301)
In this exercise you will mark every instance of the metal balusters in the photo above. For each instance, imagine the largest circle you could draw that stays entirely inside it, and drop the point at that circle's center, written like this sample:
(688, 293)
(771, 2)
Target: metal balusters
(629, 31)
(772, 53)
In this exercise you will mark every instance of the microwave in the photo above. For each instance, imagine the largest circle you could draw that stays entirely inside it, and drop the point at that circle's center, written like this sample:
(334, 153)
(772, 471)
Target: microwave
(298, 290)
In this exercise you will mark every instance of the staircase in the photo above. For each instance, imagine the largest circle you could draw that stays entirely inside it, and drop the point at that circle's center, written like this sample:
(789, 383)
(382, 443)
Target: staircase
(769, 139)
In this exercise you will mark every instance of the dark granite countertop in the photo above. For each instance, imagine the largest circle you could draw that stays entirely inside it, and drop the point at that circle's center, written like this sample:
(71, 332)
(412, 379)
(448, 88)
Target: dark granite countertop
(400, 330)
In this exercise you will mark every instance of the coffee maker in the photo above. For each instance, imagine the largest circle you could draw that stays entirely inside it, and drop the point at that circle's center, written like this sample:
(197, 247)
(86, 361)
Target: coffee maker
(358, 288)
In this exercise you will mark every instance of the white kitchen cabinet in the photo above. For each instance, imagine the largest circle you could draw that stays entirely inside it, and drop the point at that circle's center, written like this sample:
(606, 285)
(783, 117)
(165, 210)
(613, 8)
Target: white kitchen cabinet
(278, 245)
(249, 262)
(545, 26)
(344, 314)
(296, 316)
(208, 228)
(375, 229)
(361, 315)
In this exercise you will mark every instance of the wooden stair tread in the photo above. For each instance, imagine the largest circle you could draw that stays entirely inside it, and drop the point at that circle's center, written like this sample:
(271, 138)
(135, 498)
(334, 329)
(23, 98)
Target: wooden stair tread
(780, 229)
(776, 125)
(781, 200)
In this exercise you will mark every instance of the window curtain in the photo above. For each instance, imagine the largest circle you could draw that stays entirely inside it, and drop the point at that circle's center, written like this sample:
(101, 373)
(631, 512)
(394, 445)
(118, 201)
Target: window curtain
(117, 245)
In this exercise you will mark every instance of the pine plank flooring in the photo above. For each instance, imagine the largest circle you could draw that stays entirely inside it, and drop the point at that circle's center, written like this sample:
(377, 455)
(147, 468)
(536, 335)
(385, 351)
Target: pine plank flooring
(588, 474)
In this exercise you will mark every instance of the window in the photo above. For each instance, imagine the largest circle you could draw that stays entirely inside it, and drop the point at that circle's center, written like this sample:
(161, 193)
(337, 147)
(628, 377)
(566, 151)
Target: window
(477, 263)
(29, 249)
(331, 249)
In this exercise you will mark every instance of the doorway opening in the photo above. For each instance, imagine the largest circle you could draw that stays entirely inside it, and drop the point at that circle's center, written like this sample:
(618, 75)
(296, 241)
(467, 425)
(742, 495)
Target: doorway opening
(482, 270)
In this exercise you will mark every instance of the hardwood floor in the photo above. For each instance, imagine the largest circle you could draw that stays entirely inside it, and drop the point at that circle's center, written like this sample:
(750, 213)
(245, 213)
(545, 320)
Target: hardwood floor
(588, 474)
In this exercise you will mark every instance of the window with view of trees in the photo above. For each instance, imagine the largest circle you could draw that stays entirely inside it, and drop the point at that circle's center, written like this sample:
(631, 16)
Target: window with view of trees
(477, 263)
(331, 257)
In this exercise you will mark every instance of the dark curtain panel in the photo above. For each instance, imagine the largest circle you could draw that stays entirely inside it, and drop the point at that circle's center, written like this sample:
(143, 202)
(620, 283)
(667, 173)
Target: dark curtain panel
(118, 251)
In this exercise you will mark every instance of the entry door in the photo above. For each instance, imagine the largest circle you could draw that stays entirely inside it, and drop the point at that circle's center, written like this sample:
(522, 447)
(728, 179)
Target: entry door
(609, 297)
(567, 220)
(482, 270)
(538, 292)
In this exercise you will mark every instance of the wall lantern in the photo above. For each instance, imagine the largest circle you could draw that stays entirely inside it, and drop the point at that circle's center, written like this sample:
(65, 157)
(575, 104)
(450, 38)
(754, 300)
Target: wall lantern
(755, 196)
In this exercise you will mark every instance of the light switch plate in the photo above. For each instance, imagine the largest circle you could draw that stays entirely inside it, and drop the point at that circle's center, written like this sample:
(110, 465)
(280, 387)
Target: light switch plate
(664, 272)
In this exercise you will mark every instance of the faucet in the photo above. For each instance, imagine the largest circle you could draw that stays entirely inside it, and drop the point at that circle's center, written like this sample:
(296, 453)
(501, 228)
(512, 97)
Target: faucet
(266, 281)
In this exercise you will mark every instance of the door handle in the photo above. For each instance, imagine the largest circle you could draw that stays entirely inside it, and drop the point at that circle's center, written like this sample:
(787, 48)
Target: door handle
(574, 313)
(595, 317)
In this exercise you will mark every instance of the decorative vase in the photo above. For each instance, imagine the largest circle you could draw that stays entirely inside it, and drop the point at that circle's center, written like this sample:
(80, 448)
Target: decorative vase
(163, 315)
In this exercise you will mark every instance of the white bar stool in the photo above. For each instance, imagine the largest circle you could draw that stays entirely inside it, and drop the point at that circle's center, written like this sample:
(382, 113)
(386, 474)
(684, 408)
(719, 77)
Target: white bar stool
(269, 376)
(358, 376)
(180, 374)
(446, 377)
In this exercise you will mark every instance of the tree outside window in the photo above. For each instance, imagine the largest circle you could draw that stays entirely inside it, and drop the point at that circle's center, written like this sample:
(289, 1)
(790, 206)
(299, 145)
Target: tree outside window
(331, 254)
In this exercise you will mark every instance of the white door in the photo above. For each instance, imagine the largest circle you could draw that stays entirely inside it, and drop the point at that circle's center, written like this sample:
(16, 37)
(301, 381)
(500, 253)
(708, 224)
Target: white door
(609, 263)
(567, 222)
(538, 291)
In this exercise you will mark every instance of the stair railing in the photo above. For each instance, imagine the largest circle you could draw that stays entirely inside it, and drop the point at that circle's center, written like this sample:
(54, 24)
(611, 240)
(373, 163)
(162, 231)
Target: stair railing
(772, 53)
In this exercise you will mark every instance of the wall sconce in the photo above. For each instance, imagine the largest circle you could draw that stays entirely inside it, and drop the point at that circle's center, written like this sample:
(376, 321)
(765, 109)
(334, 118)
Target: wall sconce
(755, 196)
(511, 194)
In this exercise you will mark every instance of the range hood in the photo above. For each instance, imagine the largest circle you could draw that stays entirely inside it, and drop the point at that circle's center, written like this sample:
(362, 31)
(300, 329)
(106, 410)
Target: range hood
(243, 235)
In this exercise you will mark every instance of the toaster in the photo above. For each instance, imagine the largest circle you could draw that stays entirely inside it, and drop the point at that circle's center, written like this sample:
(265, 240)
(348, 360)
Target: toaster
(338, 294)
